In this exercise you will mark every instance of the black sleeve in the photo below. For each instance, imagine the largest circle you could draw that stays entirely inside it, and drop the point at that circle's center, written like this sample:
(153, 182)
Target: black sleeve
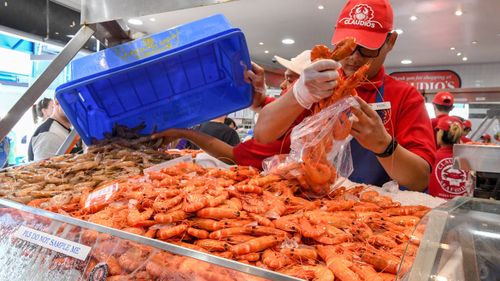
(233, 139)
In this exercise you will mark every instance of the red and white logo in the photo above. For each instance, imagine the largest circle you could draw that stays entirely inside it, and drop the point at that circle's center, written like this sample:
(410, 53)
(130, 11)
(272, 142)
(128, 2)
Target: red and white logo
(361, 15)
(452, 181)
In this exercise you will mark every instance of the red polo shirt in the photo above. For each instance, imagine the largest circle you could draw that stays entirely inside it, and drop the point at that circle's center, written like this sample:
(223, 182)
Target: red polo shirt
(447, 182)
(252, 153)
(407, 119)
(465, 139)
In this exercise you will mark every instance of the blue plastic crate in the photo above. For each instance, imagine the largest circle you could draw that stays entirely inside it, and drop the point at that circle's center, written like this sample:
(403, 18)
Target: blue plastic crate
(197, 80)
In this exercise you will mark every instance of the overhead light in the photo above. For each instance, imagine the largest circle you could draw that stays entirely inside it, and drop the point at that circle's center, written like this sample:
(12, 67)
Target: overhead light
(135, 21)
(399, 31)
(474, 42)
(56, 33)
(464, 58)
(70, 35)
(321, 7)
(459, 54)
(452, 48)
(261, 43)
(413, 18)
(152, 19)
(458, 13)
(438, 278)
(266, 51)
(406, 62)
(6, 4)
(72, 24)
(288, 41)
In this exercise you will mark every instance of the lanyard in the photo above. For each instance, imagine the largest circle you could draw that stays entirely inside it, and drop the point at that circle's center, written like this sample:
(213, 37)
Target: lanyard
(379, 98)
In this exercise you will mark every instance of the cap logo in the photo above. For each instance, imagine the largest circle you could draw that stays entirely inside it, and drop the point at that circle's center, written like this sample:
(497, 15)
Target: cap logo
(361, 15)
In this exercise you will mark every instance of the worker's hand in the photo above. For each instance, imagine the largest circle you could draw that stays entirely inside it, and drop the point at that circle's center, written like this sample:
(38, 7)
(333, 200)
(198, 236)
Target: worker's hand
(368, 129)
(256, 77)
(316, 82)
(169, 135)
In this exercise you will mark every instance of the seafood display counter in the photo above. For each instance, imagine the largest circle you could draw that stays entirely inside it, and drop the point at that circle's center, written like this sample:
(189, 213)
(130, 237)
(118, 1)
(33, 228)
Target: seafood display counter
(234, 218)
(40, 245)
(483, 161)
(461, 242)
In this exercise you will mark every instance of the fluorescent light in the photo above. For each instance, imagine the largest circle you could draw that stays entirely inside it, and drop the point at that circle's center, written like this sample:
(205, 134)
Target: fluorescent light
(266, 51)
(439, 278)
(399, 31)
(288, 41)
(452, 48)
(459, 54)
(413, 18)
(70, 35)
(406, 62)
(321, 7)
(458, 13)
(464, 58)
(486, 234)
(152, 19)
(135, 21)
(261, 43)
(474, 42)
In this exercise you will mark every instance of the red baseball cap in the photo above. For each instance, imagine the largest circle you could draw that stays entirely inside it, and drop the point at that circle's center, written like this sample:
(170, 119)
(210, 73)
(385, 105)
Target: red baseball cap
(445, 123)
(467, 124)
(443, 98)
(369, 21)
(486, 137)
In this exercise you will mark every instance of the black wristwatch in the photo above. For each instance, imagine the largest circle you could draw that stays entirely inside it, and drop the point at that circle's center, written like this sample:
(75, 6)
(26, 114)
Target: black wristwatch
(389, 150)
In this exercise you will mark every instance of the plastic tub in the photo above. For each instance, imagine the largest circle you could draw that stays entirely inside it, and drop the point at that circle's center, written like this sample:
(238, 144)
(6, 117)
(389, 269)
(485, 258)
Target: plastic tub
(179, 85)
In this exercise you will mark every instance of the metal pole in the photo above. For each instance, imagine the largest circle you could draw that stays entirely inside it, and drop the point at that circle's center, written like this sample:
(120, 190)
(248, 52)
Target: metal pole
(43, 81)
(70, 140)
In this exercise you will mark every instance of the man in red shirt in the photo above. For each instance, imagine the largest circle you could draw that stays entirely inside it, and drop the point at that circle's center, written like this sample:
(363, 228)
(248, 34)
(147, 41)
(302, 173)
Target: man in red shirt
(376, 156)
(443, 104)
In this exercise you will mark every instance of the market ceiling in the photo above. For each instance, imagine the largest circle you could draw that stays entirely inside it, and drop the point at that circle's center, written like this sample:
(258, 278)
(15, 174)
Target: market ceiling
(438, 36)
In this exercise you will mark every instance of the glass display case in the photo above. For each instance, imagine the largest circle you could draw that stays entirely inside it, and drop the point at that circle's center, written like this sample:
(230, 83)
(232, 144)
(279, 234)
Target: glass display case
(40, 245)
(483, 163)
(461, 242)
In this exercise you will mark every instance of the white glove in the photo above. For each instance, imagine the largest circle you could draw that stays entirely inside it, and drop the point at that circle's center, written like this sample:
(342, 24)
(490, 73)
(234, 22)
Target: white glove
(316, 82)
(256, 77)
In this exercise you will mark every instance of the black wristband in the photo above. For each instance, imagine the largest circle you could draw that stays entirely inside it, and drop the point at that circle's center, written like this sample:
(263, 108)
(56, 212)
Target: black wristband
(389, 150)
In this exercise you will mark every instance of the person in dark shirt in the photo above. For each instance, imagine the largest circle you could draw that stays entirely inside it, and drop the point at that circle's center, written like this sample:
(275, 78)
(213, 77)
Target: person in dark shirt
(230, 122)
(216, 128)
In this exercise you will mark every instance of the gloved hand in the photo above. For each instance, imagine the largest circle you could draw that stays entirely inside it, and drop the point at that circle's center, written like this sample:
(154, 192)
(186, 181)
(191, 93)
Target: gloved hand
(316, 82)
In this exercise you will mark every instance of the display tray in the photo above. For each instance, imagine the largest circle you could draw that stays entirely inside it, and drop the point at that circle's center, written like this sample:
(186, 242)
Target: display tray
(461, 242)
(40, 245)
(174, 79)
(482, 158)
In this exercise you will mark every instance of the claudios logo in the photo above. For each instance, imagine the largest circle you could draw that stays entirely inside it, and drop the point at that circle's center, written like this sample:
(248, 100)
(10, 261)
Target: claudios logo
(361, 15)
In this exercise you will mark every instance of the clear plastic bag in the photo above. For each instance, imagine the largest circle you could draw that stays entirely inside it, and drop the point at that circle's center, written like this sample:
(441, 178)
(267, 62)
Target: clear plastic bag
(320, 150)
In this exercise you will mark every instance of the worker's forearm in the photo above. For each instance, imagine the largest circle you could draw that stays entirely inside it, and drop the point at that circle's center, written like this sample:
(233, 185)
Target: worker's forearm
(211, 145)
(276, 117)
(407, 168)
